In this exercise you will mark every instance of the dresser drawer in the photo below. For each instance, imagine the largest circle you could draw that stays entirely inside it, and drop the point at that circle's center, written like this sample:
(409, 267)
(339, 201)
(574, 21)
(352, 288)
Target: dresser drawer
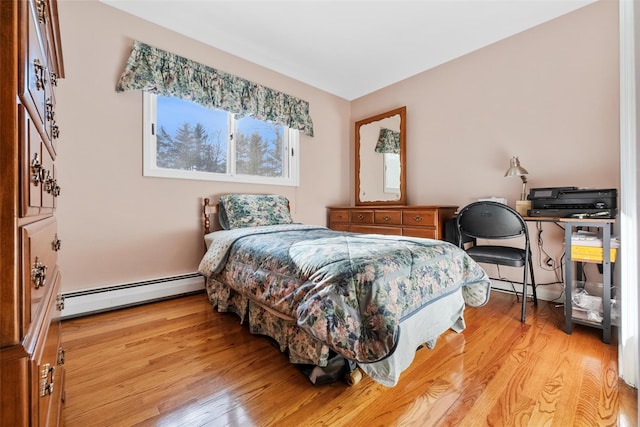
(376, 229)
(426, 232)
(421, 218)
(387, 217)
(39, 258)
(338, 216)
(361, 217)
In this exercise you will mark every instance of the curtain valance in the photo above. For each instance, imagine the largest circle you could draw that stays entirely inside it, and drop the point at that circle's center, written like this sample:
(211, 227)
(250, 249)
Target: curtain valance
(388, 141)
(167, 74)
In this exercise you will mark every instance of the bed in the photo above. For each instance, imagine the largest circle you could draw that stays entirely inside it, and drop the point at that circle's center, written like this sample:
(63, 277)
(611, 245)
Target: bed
(334, 299)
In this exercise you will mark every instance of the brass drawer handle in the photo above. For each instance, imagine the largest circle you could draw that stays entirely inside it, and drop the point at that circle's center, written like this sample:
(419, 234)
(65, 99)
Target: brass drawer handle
(38, 173)
(39, 274)
(41, 7)
(386, 218)
(38, 69)
(360, 217)
(51, 186)
(417, 218)
(55, 130)
(50, 113)
(56, 245)
(46, 379)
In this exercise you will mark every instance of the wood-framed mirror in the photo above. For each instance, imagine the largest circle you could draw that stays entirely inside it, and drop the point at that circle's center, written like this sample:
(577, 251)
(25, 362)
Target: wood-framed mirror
(380, 159)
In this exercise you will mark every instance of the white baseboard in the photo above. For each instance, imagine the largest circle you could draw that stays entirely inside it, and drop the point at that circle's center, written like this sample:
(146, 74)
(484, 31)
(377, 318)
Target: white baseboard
(554, 292)
(82, 303)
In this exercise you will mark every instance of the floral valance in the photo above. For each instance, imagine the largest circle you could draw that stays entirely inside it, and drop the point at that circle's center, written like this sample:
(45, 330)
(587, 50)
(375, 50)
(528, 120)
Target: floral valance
(388, 141)
(166, 74)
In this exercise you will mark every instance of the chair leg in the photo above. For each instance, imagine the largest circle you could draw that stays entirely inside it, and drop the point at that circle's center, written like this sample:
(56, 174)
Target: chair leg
(533, 284)
(524, 289)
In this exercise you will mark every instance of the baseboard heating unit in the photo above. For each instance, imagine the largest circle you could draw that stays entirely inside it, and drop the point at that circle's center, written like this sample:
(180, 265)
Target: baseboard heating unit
(90, 301)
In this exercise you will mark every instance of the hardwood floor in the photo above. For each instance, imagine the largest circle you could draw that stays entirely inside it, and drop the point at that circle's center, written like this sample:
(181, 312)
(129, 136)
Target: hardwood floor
(178, 363)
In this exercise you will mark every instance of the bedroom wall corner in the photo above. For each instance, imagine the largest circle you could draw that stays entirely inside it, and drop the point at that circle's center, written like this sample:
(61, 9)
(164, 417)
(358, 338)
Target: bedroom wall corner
(120, 227)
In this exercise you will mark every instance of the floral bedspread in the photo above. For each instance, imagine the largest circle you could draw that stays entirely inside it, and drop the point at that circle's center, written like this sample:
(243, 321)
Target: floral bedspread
(349, 291)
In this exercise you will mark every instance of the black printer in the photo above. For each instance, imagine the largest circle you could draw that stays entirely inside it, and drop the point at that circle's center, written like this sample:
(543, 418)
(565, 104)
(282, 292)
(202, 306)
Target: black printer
(573, 202)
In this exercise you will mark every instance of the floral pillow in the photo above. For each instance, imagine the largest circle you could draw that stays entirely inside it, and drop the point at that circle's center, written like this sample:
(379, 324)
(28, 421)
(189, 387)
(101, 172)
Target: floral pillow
(251, 210)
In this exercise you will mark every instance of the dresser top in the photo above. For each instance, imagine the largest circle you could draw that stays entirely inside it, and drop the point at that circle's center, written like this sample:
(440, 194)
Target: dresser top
(393, 207)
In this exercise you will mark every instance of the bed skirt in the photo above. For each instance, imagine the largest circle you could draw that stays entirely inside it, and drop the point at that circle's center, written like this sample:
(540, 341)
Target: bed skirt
(423, 327)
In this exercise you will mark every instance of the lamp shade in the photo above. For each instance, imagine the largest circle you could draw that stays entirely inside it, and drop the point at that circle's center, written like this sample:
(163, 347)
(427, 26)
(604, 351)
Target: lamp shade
(515, 169)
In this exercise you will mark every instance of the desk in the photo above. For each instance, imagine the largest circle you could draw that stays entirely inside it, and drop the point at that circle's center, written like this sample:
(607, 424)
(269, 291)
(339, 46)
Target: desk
(606, 226)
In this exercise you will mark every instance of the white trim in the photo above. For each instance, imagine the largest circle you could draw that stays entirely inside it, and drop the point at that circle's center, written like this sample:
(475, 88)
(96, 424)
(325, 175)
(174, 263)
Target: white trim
(150, 167)
(82, 303)
(553, 292)
(629, 97)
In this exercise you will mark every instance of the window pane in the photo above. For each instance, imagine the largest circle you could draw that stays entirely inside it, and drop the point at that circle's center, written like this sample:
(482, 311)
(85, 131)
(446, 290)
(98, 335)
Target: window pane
(190, 137)
(260, 148)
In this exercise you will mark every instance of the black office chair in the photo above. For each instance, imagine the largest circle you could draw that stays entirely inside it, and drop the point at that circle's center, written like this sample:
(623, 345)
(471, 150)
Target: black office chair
(490, 221)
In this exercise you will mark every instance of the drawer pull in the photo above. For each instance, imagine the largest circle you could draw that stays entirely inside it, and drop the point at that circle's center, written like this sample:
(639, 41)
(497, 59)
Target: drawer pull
(417, 218)
(46, 379)
(338, 216)
(50, 113)
(60, 303)
(39, 174)
(386, 218)
(38, 69)
(61, 356)
(360, 217)
(39, 274)
(51, 186)
(55, 131)
(56, 245)
(42, 11)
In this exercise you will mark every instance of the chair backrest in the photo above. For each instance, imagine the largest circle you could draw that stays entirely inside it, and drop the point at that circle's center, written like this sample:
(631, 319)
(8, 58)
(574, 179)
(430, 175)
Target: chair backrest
(490, 220)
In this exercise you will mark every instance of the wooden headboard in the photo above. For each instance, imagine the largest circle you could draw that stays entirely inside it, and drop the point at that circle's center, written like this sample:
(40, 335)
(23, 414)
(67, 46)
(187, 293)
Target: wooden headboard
(206, 214)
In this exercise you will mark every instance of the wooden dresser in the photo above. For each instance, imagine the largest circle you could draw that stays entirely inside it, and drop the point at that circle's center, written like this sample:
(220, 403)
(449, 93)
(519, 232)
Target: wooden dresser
(415, 221)
(31, 358)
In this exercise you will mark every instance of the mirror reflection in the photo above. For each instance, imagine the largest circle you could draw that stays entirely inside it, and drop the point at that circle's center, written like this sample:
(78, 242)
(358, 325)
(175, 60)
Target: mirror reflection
(380, 150)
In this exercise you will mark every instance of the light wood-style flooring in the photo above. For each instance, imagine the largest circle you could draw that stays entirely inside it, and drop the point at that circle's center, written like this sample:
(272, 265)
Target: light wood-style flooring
(178, 363)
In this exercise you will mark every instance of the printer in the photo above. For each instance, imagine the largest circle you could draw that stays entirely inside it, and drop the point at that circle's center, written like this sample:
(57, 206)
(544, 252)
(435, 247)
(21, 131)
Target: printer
(573, 202)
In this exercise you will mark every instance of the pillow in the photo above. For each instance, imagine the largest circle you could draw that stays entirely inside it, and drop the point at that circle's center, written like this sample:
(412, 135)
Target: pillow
(251, 210)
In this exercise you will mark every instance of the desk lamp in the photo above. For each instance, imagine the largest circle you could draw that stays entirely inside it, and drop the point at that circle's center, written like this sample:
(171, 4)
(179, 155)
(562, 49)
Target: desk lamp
(522, 205)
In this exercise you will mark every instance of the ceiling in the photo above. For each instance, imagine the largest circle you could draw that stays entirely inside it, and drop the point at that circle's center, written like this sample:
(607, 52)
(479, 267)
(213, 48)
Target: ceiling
(348, 48)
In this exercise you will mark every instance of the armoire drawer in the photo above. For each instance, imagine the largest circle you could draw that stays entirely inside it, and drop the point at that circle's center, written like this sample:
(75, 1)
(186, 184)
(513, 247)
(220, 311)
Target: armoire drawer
(39, 260)
(47, 375)
(38, 176)
(34, 79)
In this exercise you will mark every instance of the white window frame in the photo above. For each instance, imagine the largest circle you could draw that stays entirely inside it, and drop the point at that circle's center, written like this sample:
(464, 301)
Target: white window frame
(150, 167)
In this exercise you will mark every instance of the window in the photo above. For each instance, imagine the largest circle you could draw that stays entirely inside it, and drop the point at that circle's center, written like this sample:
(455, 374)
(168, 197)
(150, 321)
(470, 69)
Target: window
(185, 140)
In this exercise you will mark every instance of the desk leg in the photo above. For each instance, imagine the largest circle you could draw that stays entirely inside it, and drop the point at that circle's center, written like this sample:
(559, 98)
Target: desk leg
(568, 279)
(606, 283)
